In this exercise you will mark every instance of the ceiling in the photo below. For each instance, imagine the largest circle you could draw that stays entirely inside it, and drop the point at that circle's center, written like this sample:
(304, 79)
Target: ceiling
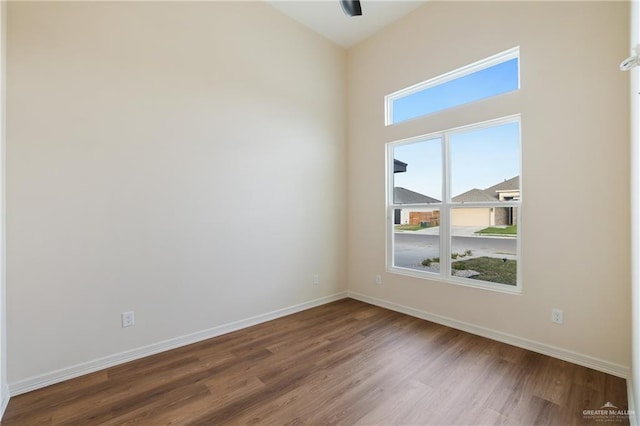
(327, 18)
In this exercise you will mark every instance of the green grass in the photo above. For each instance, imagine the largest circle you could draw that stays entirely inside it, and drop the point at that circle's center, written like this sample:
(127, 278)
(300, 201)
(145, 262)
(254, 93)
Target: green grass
(428, 262)
(408, 227)
(490, 268)
(509, 230)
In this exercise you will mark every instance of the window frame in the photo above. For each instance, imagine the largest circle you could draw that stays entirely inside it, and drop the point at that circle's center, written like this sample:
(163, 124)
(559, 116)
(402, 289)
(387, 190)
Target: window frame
(507, 55)
(446, 206)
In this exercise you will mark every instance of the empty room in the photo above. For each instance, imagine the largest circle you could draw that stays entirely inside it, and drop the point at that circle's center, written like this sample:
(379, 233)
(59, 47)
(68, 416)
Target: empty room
(319, 212)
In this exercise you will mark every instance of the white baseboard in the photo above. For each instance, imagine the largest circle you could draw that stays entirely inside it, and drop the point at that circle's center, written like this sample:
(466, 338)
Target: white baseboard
(542, 348)
(77, 370)
(5, 399)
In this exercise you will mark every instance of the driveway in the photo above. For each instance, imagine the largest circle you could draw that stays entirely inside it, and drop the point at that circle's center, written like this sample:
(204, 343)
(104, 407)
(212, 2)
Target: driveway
(411, 248)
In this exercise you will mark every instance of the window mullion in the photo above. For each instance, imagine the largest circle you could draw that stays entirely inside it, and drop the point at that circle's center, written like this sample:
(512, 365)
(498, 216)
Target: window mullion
(389, 243)
(445, 212)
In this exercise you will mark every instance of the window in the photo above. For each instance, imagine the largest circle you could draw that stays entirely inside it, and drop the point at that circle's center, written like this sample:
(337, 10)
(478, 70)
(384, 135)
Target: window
(489, 77)
(457, 196)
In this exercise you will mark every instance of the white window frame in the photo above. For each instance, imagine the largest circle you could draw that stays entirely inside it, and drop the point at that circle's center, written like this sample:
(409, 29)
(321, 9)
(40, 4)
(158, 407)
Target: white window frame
(496, 59)
(447, 205)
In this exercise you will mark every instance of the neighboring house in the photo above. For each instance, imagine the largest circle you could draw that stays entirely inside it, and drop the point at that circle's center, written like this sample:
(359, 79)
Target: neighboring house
(399, 166)
(477, 216)
(413, 216)
(487, 216)
(425, 217)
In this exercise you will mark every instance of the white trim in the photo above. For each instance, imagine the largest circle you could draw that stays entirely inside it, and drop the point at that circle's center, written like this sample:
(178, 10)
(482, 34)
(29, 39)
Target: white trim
(532, 345)
(507, 55)
(445, 212)
(631, 406)
(450, 279)
(484, 204)
(492, 122)
(77, 370)
(634, 98)
(5, 400)
(3, 208)
(448, 205)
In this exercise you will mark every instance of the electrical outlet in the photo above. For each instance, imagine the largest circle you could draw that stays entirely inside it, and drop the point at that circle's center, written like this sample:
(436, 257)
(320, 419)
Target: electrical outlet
(378, 279)
(128, 319)
(316, 279)
(557, 316)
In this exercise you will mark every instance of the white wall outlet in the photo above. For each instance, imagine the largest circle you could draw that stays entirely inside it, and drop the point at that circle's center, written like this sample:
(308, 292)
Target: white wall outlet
(557, 316)
(316, 279)
(128, 319)
(378, 279)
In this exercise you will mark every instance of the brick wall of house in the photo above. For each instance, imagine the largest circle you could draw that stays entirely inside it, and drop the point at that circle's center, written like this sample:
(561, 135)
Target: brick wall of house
(502, 216)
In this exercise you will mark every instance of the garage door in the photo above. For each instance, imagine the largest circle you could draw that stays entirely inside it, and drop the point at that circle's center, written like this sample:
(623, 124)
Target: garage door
(471, 217)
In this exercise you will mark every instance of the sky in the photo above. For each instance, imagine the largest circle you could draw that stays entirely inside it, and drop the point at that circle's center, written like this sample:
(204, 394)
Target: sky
(480, 158)
(492, 81)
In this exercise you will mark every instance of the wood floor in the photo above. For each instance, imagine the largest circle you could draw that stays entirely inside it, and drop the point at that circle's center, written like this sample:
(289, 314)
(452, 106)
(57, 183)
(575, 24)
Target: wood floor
(342, 363)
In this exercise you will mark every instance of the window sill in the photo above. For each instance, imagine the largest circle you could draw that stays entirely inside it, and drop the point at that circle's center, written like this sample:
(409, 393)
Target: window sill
(464, 282)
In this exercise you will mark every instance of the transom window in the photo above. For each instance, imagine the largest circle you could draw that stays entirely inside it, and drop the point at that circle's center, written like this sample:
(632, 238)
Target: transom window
(484, 79)
(453, 205)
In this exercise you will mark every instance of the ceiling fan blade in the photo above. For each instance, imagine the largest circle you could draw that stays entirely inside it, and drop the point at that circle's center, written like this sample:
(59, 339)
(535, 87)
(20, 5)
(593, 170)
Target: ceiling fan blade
(351, 7)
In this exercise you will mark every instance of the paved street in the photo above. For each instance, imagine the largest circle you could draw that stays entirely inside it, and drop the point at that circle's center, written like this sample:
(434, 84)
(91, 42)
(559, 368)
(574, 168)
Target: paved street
(412, 248)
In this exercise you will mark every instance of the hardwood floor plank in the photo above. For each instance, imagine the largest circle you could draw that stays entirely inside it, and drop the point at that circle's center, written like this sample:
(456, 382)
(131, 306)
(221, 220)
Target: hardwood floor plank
(346, 362)
(47, 399)
(401, 405)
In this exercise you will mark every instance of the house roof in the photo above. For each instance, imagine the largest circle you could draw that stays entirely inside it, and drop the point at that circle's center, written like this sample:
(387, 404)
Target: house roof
(406, 196)
(512, 184)
(476, 195)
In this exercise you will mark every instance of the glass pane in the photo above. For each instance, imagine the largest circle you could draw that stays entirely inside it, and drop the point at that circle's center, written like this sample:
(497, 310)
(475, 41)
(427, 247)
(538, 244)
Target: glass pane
(416, 239)
(417, 172)
(485, 164)
(491, 81)
(484, 244)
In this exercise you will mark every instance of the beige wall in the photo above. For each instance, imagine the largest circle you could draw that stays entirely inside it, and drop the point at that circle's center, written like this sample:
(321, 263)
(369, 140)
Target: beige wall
(183, 160)
(575, 146)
